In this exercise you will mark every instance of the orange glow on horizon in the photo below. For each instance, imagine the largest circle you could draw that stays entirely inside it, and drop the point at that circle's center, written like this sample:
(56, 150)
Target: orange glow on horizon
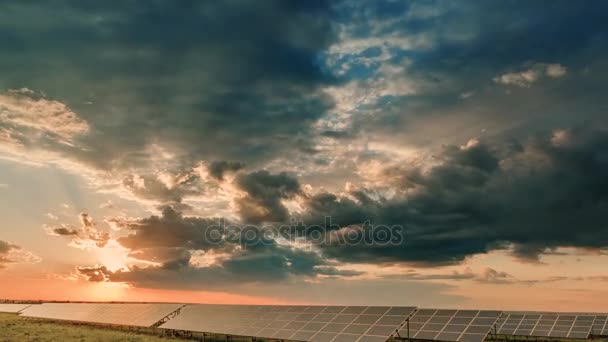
(21, 288)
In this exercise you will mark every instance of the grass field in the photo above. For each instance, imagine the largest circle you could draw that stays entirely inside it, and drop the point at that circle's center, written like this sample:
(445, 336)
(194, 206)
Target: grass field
(18, 329)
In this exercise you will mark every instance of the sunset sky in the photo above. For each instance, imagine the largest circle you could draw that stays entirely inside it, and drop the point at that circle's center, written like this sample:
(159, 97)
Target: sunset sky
(129, 130)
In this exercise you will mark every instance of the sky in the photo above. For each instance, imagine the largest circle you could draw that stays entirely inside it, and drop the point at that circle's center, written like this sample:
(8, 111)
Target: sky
(449, 154)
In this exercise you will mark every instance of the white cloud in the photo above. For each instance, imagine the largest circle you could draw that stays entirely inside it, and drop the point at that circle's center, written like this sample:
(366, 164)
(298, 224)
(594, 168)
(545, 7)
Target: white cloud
(556, 70)
(467, 94)
(534, 73)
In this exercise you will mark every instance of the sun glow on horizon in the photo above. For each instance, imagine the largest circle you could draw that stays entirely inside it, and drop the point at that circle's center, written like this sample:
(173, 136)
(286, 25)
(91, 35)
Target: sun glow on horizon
(113, 256)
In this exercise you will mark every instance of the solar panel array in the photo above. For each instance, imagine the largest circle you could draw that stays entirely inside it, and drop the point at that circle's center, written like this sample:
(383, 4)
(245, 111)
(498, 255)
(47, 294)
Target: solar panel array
(299, 323)
(450, 325)
(538, 324)
(327, 323)
(12, 308)
(140, 315)
(600, 325)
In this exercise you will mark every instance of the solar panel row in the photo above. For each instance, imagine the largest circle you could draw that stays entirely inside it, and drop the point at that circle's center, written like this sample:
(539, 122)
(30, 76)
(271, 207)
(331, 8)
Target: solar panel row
(12, 308)
(450, 325)
(600, 326)
(546, 325)
(328, 323)
(300, 323)
(140, 315)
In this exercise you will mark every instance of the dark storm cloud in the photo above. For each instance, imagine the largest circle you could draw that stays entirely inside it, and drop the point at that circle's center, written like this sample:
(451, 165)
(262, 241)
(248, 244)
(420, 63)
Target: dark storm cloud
(469, 40)
(466, 46)
(344, 211)
(169, 236)
(335, 134)
(166, 85)
(552, 193)
(217, 169)
(152, 187)
(276, 265)
(209, 80)
(264, 193)
(172, 240)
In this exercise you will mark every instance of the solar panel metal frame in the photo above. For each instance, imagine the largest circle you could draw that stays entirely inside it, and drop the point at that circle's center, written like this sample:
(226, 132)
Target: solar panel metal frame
(127, 314)
(450, 325)
(300, 323)
(546, 324)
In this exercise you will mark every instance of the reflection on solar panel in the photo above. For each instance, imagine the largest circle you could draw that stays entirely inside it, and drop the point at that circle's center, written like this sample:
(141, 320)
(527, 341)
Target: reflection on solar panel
(12, 308)
(538, 324)
(140, 315)
(450, 325)
(299, 323)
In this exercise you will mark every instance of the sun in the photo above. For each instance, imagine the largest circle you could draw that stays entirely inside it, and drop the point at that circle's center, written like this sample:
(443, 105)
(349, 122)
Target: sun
(113, 256)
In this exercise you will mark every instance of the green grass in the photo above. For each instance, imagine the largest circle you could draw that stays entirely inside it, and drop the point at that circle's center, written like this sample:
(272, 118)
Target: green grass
(18, 329)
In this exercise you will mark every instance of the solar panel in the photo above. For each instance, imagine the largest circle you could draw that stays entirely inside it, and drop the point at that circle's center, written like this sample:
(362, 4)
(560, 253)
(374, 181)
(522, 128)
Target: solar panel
(450, 325)
(12, 308)
(543, 324)
(299, 323)
(600, 325)
(141, 315)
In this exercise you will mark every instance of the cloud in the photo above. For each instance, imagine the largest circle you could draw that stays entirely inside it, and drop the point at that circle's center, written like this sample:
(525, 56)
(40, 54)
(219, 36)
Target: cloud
(123, 115)
(263, 195)
(36, 129)
(487, 275)
(107, 205)
(84, 237)
(279, 264)
(164, 187)
(465, 50)
(217, 169)
(205, 105)
(24, 109)
(13, 254)
(481, 197)
(382, 95)
(191, 252)
(162, 238)
(471, 199)
(94, 273)
(490, 275)
(242, 269)
(535, 73)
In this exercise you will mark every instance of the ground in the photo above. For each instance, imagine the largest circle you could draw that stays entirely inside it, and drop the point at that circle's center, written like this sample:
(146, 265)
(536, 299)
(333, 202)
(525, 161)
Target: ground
(19, 329)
